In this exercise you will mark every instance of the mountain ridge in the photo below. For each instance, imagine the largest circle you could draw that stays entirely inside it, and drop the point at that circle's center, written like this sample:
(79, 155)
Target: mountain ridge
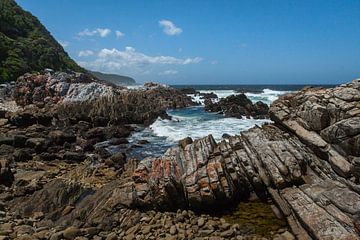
(27, 46)
(114, 78)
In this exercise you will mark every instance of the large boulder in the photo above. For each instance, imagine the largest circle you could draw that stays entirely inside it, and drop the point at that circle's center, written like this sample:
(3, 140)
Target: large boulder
(237, 106)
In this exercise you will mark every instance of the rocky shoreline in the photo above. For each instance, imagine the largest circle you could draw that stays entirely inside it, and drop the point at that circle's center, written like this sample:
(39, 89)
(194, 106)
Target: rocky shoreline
(58, 181)
(238, 106)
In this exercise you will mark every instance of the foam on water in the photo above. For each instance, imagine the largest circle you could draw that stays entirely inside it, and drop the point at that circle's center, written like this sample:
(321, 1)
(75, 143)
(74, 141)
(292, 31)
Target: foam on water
(196, 123)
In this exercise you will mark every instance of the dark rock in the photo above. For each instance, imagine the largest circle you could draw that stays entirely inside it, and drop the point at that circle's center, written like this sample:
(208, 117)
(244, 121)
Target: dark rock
(118, 160)
(186, 141)
(237, 106)
(118, 141)
(6, 176)
(188, 91)
(248, 90)
(225, 135)
(60, 137)
(6, 140)
(22, 155)
(143, 141)
(74, 156)
(208, 95)
(38, 144)
(20, 140)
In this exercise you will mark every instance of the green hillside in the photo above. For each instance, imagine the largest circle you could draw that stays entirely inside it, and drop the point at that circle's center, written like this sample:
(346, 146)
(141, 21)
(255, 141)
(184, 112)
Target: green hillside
(113, 78)
(26, 45)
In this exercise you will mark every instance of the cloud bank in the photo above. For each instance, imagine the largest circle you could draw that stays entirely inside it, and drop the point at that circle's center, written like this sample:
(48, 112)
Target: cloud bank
(130, 60)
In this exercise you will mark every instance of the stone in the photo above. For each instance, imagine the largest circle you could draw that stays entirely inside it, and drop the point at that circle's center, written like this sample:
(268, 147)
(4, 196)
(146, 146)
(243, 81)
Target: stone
(6, 175)
(74, 156)
(111, 236)
(201, 222)
(38, 144)
(287, 236)
(186, 141)
(22, 155)
(71, 233)
(173, 230)
(146, 229)
(60, 137)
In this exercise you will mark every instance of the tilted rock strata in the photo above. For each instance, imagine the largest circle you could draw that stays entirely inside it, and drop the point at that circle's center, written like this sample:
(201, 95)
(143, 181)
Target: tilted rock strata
(299, 162)
(311, 180)
(328, 120)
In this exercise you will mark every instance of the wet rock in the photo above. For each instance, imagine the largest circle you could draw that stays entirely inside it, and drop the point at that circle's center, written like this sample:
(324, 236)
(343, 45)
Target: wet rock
(238, 106)
(188, 91)
(208, 96)
(186, 141)
(143, 141)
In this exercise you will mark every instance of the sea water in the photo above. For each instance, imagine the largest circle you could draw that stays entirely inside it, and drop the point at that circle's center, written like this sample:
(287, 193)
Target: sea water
(196, 123)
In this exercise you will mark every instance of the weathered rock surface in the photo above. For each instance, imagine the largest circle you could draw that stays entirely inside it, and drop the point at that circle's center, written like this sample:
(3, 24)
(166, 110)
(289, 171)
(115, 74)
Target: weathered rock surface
(237, 106)
(307, 162)
(309, 178)
(79, 97)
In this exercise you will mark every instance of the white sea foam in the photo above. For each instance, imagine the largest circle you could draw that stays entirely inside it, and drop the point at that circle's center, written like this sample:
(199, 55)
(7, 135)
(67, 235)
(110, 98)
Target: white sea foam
(179, 128)
(196, 123)
(267, 96)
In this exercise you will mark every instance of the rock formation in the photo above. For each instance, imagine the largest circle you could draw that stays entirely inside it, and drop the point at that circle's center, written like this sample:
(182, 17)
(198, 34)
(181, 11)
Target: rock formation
(79, 97)
(67, 185)
(237, 106)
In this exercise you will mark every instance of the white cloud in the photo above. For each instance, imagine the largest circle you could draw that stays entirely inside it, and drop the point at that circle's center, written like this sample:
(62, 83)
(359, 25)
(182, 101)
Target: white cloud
(168, 72)
(85, 53)
(213, 62)
(119, 34)
(102, 32)
(64, 44)
(169, 28)
(130, 60)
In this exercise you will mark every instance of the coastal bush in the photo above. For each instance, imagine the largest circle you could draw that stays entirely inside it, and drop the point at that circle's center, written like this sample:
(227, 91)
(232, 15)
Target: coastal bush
(26, 45)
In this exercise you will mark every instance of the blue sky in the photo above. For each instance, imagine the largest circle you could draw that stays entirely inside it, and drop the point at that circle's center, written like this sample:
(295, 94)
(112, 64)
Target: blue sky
(210, 42)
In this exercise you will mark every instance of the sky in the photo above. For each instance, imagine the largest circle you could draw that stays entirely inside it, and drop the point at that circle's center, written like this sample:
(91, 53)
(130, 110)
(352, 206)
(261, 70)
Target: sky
(210, 42)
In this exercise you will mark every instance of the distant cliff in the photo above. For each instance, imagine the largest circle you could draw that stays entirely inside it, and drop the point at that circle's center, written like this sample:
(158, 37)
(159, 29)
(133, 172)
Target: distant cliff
(26, 45)
(113, 78)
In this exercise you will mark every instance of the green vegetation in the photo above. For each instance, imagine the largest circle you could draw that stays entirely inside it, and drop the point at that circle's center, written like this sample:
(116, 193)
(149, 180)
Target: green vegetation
(113, 78)
(26, 45)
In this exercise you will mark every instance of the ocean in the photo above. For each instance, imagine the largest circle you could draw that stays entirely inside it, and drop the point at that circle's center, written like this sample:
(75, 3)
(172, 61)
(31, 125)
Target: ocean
(196, 123)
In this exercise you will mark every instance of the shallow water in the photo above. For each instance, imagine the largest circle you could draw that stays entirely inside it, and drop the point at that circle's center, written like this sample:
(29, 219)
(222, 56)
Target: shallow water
(255, 216)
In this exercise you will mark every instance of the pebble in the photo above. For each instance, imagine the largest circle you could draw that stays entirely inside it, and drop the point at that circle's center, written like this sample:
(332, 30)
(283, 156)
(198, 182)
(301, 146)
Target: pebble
(173, 230)
(201, 222)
